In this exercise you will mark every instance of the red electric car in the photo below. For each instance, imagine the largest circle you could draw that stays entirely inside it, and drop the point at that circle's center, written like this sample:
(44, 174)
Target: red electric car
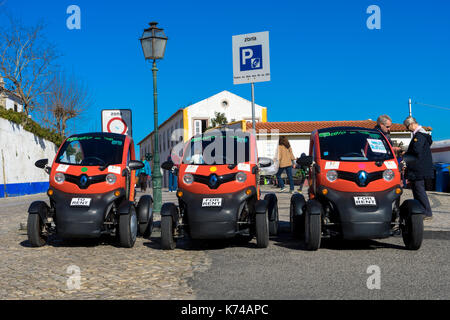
(218, 192)
(354, 191)
(91, 192)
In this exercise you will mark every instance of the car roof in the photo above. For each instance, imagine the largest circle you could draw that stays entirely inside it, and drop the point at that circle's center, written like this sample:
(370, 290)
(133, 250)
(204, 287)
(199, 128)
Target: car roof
(346, 128)
(100, 134)
(223, 132)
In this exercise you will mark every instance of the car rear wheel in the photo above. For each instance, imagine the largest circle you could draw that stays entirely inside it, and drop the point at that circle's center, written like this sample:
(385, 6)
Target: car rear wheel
(145, 216)
(296, 222)
(272, 206)
(273, 225)
(167, 239)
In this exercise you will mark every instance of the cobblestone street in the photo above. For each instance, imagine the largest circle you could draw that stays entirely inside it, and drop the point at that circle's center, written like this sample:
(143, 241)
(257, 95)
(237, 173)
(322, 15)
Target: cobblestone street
(107, 271)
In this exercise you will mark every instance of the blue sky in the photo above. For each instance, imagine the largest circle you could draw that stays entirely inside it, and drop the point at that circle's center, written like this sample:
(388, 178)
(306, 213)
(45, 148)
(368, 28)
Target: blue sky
(325, 63)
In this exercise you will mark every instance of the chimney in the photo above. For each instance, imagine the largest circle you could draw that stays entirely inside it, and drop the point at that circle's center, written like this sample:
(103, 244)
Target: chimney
(2, 83)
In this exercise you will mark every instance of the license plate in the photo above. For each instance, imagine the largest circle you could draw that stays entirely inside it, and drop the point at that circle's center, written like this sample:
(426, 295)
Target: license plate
(80, 202)
(365, 201)
(212, 202)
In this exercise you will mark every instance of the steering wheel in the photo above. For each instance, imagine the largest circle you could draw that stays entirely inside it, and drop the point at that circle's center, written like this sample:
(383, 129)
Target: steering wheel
(350, 154)
(88, 161)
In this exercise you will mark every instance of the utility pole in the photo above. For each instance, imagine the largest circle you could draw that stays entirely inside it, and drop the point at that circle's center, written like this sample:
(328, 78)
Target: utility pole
(410, 111)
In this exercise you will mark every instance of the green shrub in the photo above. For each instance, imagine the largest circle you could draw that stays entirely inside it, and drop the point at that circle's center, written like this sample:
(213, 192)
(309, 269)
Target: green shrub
(31, 126)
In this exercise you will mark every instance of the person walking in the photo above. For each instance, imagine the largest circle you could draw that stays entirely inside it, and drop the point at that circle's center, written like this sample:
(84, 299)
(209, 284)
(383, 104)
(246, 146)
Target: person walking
(422, 168)
(143, 174)
(285, 162)
(303, 173)
(172, 177)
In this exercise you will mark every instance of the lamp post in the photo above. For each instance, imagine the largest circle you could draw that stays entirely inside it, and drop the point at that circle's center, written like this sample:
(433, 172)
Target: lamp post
(153, 43)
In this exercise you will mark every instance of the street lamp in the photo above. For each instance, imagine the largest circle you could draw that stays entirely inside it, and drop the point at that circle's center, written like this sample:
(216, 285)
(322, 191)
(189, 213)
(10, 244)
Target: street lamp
(153, 43)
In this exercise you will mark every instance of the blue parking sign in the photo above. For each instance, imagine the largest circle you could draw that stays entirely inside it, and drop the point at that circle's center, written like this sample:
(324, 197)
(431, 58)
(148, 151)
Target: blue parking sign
(251, 58)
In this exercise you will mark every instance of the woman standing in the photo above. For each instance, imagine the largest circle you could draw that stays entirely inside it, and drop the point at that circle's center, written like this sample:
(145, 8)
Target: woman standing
(172, 176)
(285, 161)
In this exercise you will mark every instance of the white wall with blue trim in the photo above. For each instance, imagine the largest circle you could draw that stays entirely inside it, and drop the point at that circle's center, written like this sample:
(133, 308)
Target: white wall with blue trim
(19, 150)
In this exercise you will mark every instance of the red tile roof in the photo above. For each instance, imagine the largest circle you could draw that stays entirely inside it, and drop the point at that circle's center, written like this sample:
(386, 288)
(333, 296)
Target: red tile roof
(309, 126)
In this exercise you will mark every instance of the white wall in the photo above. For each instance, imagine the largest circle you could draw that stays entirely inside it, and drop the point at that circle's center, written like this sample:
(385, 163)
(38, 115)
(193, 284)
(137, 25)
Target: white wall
(19, 150)
(237, 109)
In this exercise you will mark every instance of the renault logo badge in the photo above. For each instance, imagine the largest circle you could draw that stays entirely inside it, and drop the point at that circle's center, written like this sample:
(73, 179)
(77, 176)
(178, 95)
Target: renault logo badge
(213, 180)
(83, 180)
(362, 178)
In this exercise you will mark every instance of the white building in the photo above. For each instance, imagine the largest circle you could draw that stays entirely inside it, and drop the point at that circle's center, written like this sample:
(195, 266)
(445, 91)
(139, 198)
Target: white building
(196, 118)
(9, 99)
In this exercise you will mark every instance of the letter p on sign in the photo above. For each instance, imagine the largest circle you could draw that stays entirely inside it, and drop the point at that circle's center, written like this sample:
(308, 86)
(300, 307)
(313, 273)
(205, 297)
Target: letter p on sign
(251, 58)
(246, 54)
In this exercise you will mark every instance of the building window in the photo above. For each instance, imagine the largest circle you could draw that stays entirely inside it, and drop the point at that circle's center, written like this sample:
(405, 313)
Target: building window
(197, 126)
(200, 126)
(15, 107)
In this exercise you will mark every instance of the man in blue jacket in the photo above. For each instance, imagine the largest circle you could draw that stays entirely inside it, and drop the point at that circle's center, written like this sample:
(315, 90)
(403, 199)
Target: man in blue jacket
(143, 174)
(422, 167)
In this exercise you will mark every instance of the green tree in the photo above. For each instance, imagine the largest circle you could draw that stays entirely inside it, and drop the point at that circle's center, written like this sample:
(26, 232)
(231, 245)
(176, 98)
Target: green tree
(219, 120)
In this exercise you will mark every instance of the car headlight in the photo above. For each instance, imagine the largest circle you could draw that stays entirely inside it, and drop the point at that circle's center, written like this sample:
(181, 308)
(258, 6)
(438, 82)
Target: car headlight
(111, 178)
(388, 175)
(241, 177)
(188, 178)
(60, 177)
(332, 175)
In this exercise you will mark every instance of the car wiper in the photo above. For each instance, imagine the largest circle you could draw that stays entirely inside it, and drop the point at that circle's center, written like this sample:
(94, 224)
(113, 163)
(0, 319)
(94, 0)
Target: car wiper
(102, 168)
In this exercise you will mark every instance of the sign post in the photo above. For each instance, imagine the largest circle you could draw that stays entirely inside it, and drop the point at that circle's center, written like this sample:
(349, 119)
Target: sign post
(117, 121)
(251, 62)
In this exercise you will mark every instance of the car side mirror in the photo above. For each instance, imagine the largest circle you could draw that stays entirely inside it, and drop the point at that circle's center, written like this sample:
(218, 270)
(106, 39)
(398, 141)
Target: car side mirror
(135, 165)
(167, 165)
(264, 162)
(305, 161)
(41, 163)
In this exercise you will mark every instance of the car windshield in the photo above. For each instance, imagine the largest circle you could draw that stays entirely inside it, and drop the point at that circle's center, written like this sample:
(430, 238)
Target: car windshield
(353, 145)
(223, 148)
(91, 150)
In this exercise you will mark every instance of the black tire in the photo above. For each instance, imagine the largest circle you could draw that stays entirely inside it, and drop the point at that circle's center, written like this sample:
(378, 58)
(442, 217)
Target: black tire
(128, 228)
(313, 233)
(167, 239)
(34, 231)
(146, 203)
(273, 225)
(413, 232)
(297, 223)
(262, 230)
(272, 208)
(146, 229)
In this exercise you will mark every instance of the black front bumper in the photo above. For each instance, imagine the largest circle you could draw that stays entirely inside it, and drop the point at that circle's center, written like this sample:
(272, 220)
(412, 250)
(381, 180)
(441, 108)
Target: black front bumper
(81, 222)
(212, 222)
(364, 222)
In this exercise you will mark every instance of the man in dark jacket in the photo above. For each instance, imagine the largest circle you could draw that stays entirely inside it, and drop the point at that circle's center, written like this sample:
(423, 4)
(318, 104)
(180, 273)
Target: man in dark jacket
(422, 167)
(384, 123)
